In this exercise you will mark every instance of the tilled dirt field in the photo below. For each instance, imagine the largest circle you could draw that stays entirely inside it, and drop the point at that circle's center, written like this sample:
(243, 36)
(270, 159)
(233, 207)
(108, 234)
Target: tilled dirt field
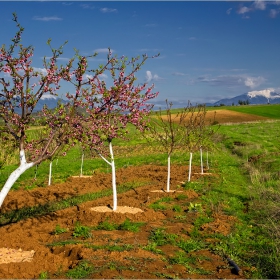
(227, 116)
(133, 261)
(223, 116)
(31, 248)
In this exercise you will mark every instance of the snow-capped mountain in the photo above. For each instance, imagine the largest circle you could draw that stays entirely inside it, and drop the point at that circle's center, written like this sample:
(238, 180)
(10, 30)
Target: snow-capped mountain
(266, 96)
(49, 100)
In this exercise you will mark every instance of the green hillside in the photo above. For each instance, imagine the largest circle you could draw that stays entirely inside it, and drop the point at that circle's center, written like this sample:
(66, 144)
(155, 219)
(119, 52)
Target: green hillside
(270, 111)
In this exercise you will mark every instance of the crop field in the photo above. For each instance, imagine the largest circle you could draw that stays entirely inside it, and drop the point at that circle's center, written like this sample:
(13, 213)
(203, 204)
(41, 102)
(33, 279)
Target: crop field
(222, 224)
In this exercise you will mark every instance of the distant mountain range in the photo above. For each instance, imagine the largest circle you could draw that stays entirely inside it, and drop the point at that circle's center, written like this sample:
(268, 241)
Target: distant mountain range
(51, 103)
(253, 98)
(267, 96)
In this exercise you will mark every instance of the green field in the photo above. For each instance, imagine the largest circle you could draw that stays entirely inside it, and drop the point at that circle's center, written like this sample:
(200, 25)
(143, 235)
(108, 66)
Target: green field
(247, 158)
(269, 111)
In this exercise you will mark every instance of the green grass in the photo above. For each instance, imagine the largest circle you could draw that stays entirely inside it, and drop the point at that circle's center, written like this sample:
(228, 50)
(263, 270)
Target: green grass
(82, 231)
(270, 111)
(82, 270)
(246, 163)
(59, 230)
(126, 225)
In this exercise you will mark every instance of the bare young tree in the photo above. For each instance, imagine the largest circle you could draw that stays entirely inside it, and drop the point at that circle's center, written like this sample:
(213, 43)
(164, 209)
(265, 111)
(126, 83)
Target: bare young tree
(197, 133)
(166, 129)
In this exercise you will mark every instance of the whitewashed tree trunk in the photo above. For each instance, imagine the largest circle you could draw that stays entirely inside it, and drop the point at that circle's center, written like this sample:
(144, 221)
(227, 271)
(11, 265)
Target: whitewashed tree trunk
(190, 168)
(14, 176)
(50, 174)
(114, 185)
(168, 174)
(82, 163)
(113, 168)
(201, 161)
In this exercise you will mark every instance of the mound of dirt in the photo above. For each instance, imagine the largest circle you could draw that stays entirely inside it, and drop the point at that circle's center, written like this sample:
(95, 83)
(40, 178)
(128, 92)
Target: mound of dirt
(8, 255)
(112, 253)
(120, 209)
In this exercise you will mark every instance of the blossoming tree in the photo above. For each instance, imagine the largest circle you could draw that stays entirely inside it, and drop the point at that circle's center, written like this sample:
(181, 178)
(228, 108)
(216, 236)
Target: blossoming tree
(21, 87)
(111, 107)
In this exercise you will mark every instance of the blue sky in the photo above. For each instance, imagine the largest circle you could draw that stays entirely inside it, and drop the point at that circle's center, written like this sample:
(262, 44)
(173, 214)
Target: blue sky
(208, 50)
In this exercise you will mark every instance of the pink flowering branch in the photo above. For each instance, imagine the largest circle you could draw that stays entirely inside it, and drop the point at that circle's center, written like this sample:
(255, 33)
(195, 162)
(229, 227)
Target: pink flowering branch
(21, 87)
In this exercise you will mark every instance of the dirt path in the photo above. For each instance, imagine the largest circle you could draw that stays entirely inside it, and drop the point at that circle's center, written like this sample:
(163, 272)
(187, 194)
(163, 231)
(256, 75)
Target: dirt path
(113, 253)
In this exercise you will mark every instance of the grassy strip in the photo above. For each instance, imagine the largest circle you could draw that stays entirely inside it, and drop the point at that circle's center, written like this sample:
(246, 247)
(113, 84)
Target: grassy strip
(255, 147)
(40, 210)
(269, 111)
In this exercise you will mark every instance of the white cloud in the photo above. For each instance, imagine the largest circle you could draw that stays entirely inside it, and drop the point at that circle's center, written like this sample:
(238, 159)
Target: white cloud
(179, 74)
(192, 38)
(243, 10)
(265, 92)
(87, 6)
(103, 50)
(273, 13)
(233, 80)
(253, 82)
(150, 77)
(108, 10)
(259, 5)
(48, 96)
(52, 18)
(229, 11)
(59, 58)
(40, 70)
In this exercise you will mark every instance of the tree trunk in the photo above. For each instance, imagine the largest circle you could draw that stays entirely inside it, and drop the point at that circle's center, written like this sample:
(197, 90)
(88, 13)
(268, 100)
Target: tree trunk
(50, 174)
(190, 167)
(168, 174)
(113, 177)
(82, 163)
(201, 161)
(14, 176)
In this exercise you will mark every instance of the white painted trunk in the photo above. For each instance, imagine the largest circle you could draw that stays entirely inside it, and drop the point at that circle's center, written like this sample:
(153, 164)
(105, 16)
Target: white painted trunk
(201, 161)
(190, 168)
(114, 185)
(14, 176)
(168, 174)
(50, 174)
(81, 173)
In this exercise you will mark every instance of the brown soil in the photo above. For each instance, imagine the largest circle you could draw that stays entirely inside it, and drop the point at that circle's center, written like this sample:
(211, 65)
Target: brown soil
(227, 116)
(223, 116)
(34, 235)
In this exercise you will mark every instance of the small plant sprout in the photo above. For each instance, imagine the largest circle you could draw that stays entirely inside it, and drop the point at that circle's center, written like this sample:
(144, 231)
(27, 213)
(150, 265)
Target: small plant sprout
(82, 231)
(195, 207)
(58, 230)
